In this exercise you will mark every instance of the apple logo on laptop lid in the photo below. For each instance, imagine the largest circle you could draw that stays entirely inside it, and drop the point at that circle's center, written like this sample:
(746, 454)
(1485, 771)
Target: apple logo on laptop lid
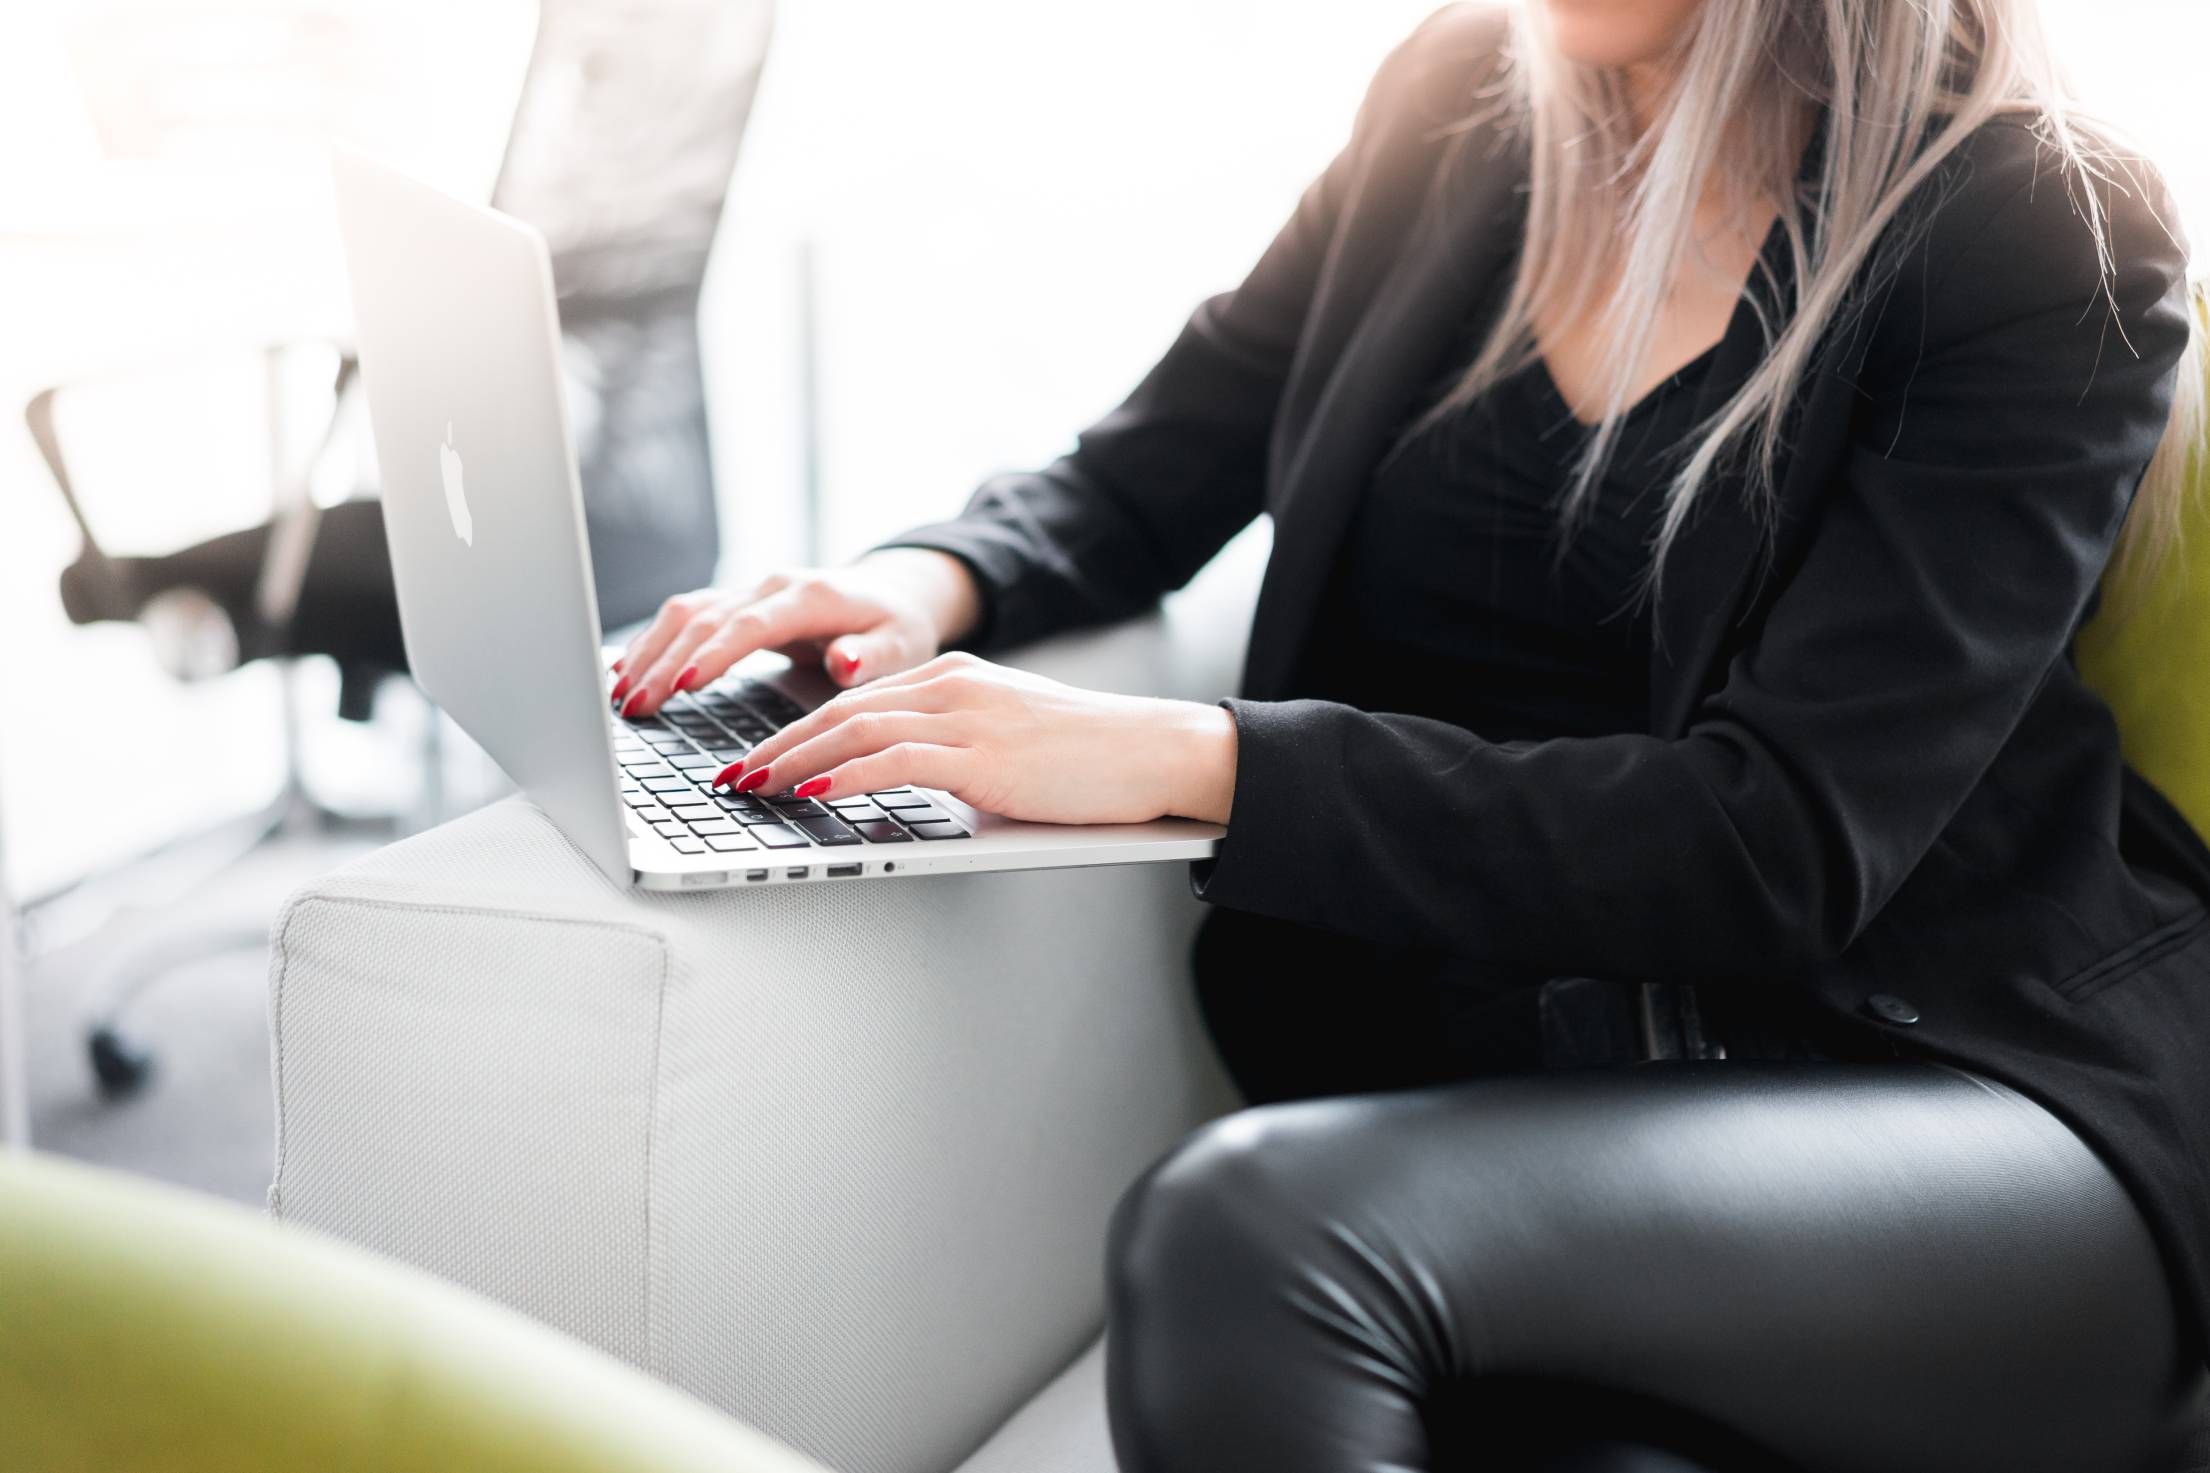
(456, 497)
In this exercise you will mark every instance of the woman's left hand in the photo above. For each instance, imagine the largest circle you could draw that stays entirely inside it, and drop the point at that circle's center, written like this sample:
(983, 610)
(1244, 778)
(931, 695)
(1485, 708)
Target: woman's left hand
(1006, 742)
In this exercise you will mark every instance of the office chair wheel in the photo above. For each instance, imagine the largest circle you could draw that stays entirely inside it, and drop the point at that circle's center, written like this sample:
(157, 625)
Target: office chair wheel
(120, 1066)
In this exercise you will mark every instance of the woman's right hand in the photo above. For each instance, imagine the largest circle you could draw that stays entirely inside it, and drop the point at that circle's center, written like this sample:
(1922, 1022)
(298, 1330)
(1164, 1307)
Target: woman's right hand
(889, 611)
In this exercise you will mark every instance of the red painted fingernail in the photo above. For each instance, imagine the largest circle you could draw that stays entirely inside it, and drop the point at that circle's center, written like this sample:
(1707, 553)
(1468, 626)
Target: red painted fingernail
(751, 780)
(812, 787)
(621, 688)
(722, 778)
(847, 665)
(616, 667)
(636, 699)
(683, 681)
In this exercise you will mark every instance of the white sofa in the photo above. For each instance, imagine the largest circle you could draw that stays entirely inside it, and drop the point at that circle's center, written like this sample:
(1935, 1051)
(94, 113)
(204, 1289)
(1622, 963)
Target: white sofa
(837, 1160)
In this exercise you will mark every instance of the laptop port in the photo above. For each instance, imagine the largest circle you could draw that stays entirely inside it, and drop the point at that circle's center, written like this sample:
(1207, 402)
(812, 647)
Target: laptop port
(796, 872)
(843, 871)
(706, 877)
(755, 875)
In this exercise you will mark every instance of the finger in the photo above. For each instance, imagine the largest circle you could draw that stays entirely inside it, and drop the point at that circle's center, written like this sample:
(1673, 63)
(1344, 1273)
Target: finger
(738, 639)
(793, 612)
(928, 698)
(671, 670)
(957, 662)
(804, 613)
(678, 615)
(868, 655)
(674, 615)
(863, 735)
(925, 764)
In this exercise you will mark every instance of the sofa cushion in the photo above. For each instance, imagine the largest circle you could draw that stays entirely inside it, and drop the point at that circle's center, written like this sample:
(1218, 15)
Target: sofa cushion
(1061, 1431)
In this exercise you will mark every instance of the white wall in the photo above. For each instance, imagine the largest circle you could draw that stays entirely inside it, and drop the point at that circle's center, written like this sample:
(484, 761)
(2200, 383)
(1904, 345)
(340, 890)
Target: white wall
(1015, 206)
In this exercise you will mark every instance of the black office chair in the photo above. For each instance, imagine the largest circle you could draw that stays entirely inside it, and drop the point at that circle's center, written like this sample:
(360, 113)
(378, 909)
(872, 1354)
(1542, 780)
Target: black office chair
(623, 144)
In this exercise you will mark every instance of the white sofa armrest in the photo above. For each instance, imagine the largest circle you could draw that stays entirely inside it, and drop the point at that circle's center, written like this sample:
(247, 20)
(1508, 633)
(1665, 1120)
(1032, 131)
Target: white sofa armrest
(837, 1159)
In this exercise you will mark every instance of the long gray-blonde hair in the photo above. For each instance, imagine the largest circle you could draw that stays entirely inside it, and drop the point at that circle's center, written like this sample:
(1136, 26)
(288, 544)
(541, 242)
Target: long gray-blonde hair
(1611, 205)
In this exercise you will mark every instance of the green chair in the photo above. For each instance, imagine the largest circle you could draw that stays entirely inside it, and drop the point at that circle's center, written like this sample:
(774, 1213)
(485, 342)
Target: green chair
(2150, 659)
(142, 1328)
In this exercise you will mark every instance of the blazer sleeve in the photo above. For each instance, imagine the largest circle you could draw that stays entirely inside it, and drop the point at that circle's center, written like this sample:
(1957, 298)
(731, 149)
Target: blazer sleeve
(1981, 492)
(1160, 484)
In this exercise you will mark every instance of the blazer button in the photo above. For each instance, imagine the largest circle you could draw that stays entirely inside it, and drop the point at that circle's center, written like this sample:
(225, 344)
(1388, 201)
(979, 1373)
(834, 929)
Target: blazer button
(1889, 1008)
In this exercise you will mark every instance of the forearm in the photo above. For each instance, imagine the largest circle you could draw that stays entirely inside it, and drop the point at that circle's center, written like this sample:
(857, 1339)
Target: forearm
(1056, 550)
(1614, 856)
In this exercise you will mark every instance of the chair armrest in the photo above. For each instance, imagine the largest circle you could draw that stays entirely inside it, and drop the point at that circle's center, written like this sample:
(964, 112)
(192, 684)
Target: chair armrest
(294, 513)
(838, 1160)
(149, 1328)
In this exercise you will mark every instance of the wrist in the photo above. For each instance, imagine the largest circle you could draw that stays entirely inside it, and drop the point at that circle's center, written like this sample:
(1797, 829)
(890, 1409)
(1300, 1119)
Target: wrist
(1201, 781)
(941, 584)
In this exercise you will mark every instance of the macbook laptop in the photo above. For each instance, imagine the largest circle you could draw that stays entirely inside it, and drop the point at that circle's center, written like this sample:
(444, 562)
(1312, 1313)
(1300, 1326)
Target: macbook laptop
(459, 341)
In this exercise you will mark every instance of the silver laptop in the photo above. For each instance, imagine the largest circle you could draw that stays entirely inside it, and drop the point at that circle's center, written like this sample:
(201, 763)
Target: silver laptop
(459, 344)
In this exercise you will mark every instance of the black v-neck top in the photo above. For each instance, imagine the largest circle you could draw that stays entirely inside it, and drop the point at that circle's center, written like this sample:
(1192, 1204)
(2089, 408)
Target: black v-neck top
(1458, 594)
(1872, 768)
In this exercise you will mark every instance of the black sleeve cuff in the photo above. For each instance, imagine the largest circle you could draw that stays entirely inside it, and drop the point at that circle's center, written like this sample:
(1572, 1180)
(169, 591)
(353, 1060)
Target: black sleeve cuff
(1276, 844)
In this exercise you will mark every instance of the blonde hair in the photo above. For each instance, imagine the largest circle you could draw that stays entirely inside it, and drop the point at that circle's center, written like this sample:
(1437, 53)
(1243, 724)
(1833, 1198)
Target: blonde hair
(1611, 206)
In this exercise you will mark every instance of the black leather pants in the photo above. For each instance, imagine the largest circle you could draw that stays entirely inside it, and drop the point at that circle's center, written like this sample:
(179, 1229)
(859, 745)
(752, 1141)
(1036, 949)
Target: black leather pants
(1853, 1268)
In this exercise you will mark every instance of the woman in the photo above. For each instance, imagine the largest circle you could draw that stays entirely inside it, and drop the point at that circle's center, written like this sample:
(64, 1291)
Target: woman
(1695, 430)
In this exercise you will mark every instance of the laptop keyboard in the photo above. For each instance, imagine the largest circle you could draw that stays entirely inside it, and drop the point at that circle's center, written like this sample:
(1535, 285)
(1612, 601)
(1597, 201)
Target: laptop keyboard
(669, 761)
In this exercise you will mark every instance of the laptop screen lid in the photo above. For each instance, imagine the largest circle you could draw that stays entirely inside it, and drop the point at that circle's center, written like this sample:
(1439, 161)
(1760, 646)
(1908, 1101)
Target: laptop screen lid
(459, 337)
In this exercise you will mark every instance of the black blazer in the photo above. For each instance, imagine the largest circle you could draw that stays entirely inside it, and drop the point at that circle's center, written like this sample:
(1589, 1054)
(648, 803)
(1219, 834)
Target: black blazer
(1872, 770)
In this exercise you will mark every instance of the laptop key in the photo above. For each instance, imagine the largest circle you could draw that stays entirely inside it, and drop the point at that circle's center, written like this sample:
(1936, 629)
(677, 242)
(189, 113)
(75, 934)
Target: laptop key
(777, 836)
(881, 831)
(729, 843)
(858, 812)
(900, 798)
(668, 828)
(694, 762)
(715, 826)
(689, 812)
(640, 800)
(942, 830)
(923, 815)
(669, 784)
(688, 846)
(827, 830)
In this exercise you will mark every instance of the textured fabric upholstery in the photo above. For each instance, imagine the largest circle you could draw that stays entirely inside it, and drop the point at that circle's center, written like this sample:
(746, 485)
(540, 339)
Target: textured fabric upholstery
(144, 1328)
(837, 1159)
